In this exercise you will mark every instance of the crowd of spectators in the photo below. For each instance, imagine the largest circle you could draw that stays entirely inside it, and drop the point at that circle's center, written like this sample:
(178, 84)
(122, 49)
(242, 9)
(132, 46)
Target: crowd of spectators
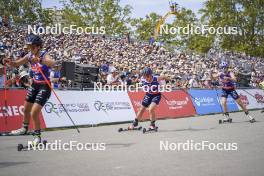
(120, 60)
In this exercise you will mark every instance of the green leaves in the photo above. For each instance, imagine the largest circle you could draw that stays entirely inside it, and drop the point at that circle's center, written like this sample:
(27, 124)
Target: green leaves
(144, 28)
(246, 15)
(26, 11)
(98, 13)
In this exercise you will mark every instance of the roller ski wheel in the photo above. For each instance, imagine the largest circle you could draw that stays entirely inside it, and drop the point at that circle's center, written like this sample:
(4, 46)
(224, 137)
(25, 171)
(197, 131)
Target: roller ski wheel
(150, 129)
(252, 121)
(130, 129)
(225, 121)
(139, 128)
(20, 147)
(44, 142)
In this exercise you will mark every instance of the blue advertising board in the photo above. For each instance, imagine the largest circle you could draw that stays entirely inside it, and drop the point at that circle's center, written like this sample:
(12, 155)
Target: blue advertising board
(205, 101)
(208, 101)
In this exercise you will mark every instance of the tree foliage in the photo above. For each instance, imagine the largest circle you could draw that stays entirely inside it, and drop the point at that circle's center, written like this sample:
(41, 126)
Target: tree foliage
(246, 15)
(144, 27)
(98, 13)
(26, 11)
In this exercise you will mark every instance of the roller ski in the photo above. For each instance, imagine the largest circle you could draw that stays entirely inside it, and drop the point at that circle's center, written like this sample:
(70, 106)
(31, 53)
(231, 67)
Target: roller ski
(33, 145)
(21, 147)
(133, 127)
(151, 128)
(251, 119)
(226, 119)
(130, 129)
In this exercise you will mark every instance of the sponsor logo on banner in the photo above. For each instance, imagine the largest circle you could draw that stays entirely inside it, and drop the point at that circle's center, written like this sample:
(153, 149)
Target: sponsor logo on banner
(204, 101)
(111, 106)
(88, 107)
(11, 111)
(259, 98)
(137, 103)
(177, 104)
(70, 107)
(254, 98)
(244, 99)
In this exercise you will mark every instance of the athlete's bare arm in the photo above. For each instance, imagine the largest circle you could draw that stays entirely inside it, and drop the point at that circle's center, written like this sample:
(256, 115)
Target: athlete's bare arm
(16, 63)
(47, 60)
(233, 77)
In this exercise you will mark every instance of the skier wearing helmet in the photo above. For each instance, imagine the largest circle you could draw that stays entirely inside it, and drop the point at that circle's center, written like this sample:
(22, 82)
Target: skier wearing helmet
(228, 83)
(151, 99)
(39, 92)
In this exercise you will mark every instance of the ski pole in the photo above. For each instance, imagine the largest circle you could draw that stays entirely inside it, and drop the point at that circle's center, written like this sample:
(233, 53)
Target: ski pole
(46, 80)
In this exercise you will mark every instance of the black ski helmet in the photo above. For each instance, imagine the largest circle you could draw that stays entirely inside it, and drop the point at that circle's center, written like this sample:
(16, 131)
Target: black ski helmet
(33, 39)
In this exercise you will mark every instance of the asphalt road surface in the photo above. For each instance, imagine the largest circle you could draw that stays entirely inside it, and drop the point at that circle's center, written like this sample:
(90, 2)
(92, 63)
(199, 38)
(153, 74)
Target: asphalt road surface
(154, 154)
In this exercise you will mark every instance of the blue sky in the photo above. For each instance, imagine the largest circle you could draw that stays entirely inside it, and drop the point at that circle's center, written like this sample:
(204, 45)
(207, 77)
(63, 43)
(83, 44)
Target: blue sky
(143, 7)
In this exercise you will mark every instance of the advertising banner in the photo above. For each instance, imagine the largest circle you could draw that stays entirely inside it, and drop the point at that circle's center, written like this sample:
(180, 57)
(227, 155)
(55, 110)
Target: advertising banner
(206, 101)
(178, 104)
(172, 105)
(11, 112)
(252, 98)
(88, 107)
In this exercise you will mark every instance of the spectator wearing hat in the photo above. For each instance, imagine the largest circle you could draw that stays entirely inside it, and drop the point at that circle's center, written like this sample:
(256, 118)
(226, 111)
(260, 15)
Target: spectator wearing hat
(113, 77)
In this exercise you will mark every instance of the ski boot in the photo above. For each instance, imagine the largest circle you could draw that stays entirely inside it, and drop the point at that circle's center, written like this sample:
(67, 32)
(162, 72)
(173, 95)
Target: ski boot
(133, 126)
(251, 119)
(225, 119)
(152, 127)
(20, 131)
